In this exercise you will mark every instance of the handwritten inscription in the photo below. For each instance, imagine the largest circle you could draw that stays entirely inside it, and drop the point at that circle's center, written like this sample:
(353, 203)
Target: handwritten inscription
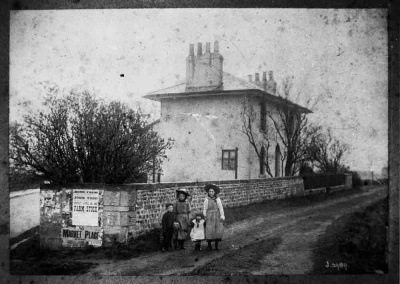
(338, 265)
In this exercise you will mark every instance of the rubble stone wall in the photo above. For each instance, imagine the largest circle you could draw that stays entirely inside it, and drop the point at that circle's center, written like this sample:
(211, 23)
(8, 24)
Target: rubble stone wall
(127, 211)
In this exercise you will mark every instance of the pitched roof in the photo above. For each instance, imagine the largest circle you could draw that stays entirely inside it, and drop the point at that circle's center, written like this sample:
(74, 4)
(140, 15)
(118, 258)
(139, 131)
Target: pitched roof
(232, 85)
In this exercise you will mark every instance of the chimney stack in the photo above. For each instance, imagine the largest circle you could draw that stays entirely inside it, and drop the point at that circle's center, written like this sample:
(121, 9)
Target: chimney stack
(204, 71)
(191, 49)
(257, 77)
(264, 76)
(199, 49)
(208, 46)
(250, 78)
(216, 46)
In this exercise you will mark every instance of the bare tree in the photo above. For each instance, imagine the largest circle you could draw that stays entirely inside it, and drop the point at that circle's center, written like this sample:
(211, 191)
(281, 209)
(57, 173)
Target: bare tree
(291, 130)
(81, 138)
(327, 153)
(258, 139)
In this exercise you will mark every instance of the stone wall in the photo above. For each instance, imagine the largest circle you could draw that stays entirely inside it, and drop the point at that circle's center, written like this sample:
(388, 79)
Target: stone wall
(127, 211)
(116, 216)
(151, 198)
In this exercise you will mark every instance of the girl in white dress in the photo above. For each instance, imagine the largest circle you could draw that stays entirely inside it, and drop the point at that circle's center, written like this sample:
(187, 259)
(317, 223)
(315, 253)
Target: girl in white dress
(197, 233)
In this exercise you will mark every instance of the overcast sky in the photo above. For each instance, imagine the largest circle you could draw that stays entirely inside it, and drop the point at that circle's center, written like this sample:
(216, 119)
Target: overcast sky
(337, 55)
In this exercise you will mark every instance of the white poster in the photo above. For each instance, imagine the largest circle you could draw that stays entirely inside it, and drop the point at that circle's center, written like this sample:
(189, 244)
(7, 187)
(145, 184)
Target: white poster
(85, 205)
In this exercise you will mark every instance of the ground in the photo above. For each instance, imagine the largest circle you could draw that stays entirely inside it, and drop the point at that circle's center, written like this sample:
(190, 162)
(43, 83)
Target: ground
(274, 237)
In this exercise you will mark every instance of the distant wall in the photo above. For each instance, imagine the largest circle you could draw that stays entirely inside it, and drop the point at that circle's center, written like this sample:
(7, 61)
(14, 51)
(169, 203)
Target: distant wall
(24, 213)
(127, 211)
(348, 181)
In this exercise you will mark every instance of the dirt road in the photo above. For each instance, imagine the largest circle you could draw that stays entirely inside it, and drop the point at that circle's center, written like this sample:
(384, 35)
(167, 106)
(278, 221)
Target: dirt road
(281, 241)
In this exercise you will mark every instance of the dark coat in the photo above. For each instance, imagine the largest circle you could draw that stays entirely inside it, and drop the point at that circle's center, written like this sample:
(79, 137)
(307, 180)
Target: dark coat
(168, 221)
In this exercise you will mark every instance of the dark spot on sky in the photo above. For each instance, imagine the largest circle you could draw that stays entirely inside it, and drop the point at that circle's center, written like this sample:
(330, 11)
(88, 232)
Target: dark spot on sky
(122, 75)
(350, 33)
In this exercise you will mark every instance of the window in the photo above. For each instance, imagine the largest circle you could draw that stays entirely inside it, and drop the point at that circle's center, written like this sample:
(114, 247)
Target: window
(262, 161)
(263, 117)
(229, 160)
(277, 161)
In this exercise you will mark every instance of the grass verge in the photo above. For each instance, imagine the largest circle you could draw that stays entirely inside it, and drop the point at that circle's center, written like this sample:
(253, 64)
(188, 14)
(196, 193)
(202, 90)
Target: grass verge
(354, 243)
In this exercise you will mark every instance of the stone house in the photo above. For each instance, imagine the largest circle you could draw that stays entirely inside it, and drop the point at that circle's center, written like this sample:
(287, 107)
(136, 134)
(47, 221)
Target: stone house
(205, 117)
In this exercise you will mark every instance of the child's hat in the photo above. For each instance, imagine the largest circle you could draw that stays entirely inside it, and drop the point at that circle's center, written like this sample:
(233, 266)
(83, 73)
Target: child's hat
(168, 205)
(183, 190)
(212, 186)
(199, 214)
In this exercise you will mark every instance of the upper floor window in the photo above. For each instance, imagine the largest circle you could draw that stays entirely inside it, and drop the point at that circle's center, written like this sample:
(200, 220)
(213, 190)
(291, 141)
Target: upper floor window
(229, 159)
(263, 118)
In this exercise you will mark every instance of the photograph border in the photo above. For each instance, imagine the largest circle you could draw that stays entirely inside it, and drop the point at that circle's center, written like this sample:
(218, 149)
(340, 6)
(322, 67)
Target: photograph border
(393, 140)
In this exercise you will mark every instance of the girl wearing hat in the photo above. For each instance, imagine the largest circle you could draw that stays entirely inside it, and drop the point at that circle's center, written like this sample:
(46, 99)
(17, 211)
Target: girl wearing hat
(182, 212)
(214, 214)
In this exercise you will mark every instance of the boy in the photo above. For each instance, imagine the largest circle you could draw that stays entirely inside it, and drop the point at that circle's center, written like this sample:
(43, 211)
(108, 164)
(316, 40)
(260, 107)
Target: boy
(168, 227)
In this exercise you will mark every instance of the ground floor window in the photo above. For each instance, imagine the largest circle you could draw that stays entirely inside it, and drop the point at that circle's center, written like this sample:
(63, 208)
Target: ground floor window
(262, 161)
(229, 160)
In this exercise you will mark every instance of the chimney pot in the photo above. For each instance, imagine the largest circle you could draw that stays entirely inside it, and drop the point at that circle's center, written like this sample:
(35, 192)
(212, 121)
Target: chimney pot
(191, 49)
(257, 77)
(264, 76)
(271, 75)
(199, 49)
(216, 46)
(250, 78)
(208, 46)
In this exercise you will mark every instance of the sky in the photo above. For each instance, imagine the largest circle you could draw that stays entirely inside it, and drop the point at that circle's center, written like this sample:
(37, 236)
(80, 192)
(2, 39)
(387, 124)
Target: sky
(336, 57)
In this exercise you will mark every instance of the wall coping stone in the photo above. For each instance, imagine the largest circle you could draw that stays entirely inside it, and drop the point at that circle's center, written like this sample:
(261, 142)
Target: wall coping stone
(155, 186)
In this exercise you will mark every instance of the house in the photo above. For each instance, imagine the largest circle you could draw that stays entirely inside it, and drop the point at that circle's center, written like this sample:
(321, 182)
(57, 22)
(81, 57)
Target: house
(205, 117)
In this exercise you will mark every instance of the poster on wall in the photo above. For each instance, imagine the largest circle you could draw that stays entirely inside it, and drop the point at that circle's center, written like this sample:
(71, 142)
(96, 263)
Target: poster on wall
(76, 237)
(85, 205)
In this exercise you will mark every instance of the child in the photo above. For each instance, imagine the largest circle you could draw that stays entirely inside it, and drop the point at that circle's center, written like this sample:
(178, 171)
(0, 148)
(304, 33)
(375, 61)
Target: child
(175, 235)
(197, 233)
(168, 227)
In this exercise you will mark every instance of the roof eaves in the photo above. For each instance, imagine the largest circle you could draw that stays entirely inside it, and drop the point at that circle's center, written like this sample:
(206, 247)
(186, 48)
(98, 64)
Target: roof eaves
(165, 89)
(159, 97)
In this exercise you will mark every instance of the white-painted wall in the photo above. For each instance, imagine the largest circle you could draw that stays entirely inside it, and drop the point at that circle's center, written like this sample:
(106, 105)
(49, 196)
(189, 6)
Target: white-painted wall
(24, 211)
(202, 128)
